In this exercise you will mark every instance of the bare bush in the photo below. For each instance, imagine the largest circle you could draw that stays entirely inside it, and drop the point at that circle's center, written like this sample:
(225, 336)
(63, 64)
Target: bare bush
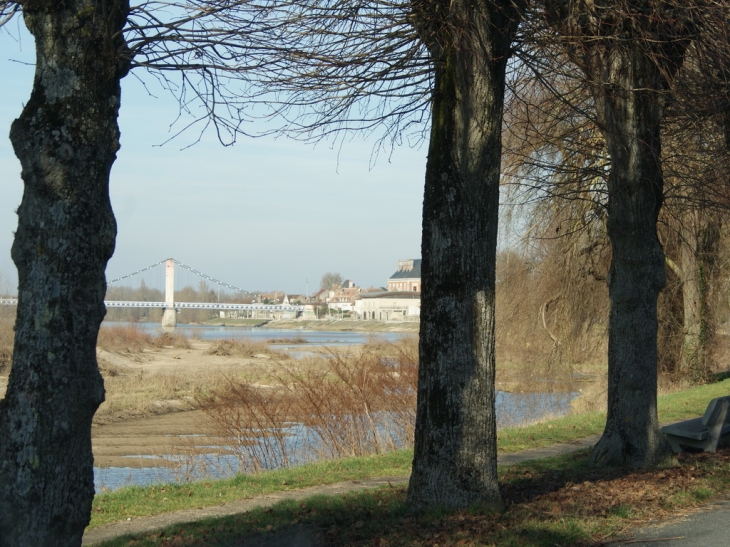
(130, 339)
(239, 348)
(253, 420)
(356, 403)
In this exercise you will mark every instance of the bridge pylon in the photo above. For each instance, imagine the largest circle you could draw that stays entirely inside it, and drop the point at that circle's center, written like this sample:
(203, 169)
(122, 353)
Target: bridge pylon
(169, 316)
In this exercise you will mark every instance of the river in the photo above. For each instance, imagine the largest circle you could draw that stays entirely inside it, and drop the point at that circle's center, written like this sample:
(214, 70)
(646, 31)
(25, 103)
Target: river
(309, 337)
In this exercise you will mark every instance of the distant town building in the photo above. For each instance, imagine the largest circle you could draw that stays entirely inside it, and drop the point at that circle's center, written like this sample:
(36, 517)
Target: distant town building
(408, 276)
(344, 299)
(400, 302)
(322, 295)
(389, 306)
(296, 298)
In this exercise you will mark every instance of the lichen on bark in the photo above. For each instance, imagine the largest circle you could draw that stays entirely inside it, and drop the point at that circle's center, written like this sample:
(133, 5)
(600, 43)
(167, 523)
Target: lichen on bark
(66, 139)
(455, 457)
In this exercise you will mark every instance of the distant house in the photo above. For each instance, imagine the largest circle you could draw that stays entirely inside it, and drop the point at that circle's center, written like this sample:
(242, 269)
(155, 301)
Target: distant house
(400, 302)
(344, 299)
(273, 298)
(322, 295)
(408, 276)
(296, 298)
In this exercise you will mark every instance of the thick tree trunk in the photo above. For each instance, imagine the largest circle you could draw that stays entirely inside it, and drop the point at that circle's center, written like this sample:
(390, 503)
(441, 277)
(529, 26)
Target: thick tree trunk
(66, 139)
(455, 453)
(629, 112)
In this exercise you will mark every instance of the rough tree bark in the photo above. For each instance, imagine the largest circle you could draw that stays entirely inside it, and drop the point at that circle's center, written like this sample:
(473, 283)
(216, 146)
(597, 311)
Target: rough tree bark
(629, 51)
(66, 139)
(455, 455)
(699, 236)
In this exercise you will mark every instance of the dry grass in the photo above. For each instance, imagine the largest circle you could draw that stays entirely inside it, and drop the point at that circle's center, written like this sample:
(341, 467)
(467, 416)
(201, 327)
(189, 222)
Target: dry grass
(243, 348)
(341, 404)
(130, 339)
(7, 337)
(140, 393)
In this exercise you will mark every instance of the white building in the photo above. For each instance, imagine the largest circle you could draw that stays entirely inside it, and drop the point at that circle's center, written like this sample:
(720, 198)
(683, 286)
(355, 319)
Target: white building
(402, 300)
(389, 306)
(408, 276)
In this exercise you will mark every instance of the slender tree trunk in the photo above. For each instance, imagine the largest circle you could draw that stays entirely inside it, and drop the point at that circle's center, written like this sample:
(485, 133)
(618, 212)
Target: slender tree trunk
(698, 247)
(629, 114)
(692, 298)
(66, 139)
(455, 453)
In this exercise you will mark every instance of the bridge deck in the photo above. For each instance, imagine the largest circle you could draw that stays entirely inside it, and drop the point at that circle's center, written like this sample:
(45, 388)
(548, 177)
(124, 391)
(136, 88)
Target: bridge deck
(182, 305)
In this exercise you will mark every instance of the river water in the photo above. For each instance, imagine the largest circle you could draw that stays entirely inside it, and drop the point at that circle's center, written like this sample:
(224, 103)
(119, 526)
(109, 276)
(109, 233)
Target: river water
(308, 336)
(512, 408)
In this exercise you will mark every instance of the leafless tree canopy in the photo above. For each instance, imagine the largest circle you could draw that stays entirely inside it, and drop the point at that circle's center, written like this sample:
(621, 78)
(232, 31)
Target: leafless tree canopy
(315, 68)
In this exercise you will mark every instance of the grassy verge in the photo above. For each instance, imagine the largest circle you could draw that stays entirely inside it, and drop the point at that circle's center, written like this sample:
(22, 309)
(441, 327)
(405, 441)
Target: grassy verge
(137, 502)
(555, 501)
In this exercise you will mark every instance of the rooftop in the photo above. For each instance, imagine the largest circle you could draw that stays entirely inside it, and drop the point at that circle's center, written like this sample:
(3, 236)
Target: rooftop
(408, 269)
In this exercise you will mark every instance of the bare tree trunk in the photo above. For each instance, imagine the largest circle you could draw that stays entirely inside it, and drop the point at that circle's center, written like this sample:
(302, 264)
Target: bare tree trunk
(629, 113)
(66, 139)
(455, 453)
(629, 50)
(692, 344)
(699, 236)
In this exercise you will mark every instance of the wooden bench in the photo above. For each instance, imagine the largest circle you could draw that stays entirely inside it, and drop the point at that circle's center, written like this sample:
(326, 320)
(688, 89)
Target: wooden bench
(704, 432)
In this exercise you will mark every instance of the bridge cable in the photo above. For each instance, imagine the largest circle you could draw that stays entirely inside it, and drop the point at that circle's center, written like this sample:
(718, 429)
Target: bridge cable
(185, 266)
(137, 272)
(205, 276)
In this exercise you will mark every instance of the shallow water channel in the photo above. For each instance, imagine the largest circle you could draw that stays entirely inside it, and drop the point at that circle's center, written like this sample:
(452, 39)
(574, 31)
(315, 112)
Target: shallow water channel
(304, 337)
(512, 408)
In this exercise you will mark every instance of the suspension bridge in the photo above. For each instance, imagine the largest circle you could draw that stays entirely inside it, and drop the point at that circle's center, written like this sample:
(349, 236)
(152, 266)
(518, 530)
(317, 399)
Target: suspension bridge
(171, 307)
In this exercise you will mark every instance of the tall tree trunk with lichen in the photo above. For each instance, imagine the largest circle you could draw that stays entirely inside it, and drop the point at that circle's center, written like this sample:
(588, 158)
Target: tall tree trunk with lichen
(629, 51)
(455, 458)
(66, 139)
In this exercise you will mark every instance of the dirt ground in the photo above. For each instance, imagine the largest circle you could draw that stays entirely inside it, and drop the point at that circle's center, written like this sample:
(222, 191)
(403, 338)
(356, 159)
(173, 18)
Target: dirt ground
(150, 410)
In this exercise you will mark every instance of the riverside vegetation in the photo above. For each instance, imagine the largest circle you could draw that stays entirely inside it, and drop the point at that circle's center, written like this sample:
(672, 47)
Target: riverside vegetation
(554, 501)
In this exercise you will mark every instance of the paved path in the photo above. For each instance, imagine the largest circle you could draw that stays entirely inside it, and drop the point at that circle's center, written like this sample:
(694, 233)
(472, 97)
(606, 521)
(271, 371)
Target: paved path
(708, 526)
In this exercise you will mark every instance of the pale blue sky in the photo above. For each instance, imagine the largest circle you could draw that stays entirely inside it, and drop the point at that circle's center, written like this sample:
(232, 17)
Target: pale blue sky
(265, 214)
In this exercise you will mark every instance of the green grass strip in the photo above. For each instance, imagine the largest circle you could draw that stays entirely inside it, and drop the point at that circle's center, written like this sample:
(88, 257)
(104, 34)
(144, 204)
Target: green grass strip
(381, 517)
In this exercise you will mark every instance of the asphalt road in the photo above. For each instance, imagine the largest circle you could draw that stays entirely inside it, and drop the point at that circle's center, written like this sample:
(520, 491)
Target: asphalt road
(708, 526)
